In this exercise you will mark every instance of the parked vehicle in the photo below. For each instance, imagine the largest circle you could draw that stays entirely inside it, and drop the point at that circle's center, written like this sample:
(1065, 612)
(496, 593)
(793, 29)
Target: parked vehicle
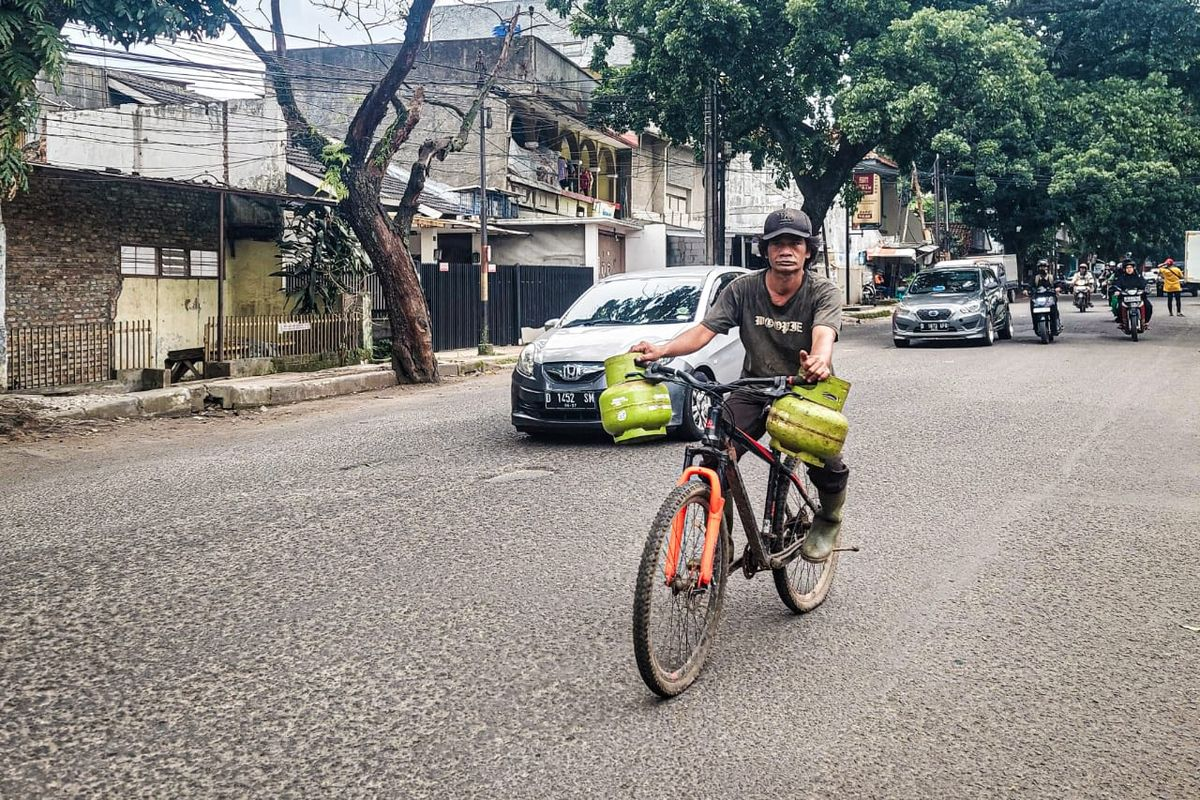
(1042, 307)
(1191, 262)
(1131, 312)
(558, 379)
(953, 302)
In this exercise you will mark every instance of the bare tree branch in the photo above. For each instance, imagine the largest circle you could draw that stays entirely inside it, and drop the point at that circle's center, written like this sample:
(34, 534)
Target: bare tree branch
(441, 147)
(300, 132)
(277, 30)
(374, 107)
(397, 133)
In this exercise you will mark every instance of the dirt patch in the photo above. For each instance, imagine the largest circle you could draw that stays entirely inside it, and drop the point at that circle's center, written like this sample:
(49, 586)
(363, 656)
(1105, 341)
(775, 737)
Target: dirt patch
(17, 421)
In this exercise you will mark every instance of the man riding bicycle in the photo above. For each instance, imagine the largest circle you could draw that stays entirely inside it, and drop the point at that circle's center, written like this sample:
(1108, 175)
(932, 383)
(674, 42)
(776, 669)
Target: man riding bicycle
(788, 319)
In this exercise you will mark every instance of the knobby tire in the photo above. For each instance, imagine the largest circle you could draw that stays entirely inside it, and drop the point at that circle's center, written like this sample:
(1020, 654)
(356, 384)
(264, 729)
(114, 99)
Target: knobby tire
(668, 677)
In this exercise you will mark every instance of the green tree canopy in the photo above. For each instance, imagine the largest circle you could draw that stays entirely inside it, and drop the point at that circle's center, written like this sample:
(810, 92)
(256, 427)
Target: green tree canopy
(1128, 165)
(812, 86)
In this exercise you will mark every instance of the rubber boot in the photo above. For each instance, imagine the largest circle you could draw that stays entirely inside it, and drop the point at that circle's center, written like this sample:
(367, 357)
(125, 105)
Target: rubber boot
(822, 536)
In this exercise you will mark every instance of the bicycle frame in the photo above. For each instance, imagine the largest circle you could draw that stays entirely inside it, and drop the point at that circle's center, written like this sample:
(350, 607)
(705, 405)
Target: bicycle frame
(711, 462)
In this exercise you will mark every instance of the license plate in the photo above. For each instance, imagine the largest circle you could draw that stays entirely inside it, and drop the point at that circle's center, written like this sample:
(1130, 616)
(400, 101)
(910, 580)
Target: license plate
(570, 399)
(1041, 311)
(935, 326)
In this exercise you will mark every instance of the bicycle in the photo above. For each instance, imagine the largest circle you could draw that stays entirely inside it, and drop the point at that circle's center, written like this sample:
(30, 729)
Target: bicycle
(688, 554)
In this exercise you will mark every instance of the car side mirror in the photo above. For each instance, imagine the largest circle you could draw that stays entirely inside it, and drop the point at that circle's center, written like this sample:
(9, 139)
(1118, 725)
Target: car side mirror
(550, 323)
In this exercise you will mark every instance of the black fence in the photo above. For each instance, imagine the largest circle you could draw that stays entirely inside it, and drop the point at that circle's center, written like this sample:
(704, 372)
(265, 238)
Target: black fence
(518, 296)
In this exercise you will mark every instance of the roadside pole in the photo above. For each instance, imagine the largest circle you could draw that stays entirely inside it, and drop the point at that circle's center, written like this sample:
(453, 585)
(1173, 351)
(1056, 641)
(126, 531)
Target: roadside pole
(485, 345)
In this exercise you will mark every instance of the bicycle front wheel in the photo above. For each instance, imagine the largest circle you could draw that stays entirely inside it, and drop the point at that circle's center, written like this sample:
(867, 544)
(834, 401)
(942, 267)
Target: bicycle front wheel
(802, 585)
(674, 621)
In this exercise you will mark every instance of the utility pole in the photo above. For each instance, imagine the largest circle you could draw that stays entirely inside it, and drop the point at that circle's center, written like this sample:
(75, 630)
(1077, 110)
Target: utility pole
(485, 345)
(714, 180)
(937, 199)
(846, 205)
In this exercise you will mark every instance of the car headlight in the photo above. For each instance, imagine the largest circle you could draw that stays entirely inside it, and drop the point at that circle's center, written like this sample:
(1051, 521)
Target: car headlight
(532, 354)
(973, 307)
(904, 311)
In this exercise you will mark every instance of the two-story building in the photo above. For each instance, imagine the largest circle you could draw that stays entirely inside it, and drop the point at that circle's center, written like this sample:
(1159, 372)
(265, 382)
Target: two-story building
(549, 172)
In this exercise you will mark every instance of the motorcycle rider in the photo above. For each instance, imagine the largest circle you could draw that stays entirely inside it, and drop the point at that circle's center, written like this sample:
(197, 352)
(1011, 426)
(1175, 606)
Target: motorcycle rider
(1044, 284)
(1084, 279)
(1128, 278)
(788, 318)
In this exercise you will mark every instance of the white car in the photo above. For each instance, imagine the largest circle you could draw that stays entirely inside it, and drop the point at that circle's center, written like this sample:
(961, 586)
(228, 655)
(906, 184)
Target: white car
(557, 383)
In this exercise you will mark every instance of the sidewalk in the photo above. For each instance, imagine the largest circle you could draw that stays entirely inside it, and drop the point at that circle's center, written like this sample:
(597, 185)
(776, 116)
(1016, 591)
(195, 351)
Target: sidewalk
(237, 393)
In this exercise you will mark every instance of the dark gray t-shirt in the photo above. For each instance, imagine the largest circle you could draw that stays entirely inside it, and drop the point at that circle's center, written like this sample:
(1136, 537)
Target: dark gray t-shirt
(774, 335)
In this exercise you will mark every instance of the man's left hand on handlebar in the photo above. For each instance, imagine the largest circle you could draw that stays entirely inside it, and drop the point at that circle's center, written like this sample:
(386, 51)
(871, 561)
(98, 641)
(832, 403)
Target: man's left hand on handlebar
(814, 367)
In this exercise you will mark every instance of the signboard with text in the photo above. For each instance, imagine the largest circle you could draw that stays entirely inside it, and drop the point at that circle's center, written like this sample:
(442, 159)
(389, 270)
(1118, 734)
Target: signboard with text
(869, 211)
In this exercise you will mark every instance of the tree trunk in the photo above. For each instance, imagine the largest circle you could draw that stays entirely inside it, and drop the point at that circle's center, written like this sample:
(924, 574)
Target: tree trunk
(413, 358)
(822, 189)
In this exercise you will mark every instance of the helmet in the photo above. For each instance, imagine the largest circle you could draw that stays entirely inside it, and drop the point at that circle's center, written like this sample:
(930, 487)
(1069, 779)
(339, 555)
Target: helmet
(1112, 263)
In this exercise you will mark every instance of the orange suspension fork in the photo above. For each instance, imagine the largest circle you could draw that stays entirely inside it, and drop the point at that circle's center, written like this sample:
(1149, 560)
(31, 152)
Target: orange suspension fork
(712, 530)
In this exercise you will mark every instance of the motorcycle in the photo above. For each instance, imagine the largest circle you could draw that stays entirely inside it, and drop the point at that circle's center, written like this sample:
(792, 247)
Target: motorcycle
(870, 295)
(1083, 298)
(1131, 312)
(1043, 315)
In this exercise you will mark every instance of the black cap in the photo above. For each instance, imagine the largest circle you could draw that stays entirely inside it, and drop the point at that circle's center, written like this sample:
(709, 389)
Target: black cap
(787, 222)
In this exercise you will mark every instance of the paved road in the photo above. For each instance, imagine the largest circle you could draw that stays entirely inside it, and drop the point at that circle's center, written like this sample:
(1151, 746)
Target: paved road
(397, 596)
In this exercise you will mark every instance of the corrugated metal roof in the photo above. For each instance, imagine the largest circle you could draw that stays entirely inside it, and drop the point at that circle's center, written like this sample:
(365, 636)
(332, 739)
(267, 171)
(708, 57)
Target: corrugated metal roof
(162, 91)
(436, 196)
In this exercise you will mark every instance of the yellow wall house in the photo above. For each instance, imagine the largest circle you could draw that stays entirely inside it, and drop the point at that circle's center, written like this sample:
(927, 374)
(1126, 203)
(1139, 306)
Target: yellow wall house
(176, 289)
(172, 283)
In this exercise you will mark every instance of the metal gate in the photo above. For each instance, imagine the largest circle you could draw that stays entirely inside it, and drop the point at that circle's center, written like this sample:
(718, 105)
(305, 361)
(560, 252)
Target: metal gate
(518, 297)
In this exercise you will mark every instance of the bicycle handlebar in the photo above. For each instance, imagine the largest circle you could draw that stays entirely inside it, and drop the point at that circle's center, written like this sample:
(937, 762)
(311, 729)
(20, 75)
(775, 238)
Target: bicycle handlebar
(660, 372)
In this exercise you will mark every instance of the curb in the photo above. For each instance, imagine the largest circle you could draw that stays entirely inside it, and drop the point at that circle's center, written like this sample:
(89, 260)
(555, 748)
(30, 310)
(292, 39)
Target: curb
(250, 392)
(253, 395)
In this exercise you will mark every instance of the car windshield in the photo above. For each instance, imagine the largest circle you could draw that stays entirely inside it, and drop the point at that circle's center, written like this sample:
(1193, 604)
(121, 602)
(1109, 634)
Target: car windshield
(652, 301)
(945, 282)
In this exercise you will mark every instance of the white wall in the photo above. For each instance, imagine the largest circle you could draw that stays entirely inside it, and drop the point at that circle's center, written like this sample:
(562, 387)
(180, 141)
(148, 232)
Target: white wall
(182, 142)
(591, 250)
(751, 194)
(646, 249)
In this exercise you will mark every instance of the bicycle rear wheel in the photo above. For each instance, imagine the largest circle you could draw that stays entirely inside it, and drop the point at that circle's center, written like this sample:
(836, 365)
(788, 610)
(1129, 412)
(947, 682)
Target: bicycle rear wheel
(674, 624)
(802, 585)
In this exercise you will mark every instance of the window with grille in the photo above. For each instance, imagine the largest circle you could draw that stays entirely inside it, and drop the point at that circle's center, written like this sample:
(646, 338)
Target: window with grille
(174, 262)
(138, 260)
(204, 263)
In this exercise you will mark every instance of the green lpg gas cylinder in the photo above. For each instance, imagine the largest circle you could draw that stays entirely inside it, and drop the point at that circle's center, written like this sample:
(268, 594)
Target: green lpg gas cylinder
(632, 409)
(808, 423)
(619, 368)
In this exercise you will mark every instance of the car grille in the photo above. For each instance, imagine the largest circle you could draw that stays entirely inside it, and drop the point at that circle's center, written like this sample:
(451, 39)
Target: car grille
(933, 313)
(582, 372)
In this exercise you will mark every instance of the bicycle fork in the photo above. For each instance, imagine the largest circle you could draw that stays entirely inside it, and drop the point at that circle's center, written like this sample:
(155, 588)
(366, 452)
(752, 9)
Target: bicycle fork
(712, 528)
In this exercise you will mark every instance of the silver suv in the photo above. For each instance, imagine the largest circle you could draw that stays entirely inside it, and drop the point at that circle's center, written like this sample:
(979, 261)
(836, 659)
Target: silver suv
(953, 302)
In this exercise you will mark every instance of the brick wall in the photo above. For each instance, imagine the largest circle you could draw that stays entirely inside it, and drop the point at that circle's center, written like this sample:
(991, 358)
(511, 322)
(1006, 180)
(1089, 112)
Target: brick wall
(685, 251)
(65, 237)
